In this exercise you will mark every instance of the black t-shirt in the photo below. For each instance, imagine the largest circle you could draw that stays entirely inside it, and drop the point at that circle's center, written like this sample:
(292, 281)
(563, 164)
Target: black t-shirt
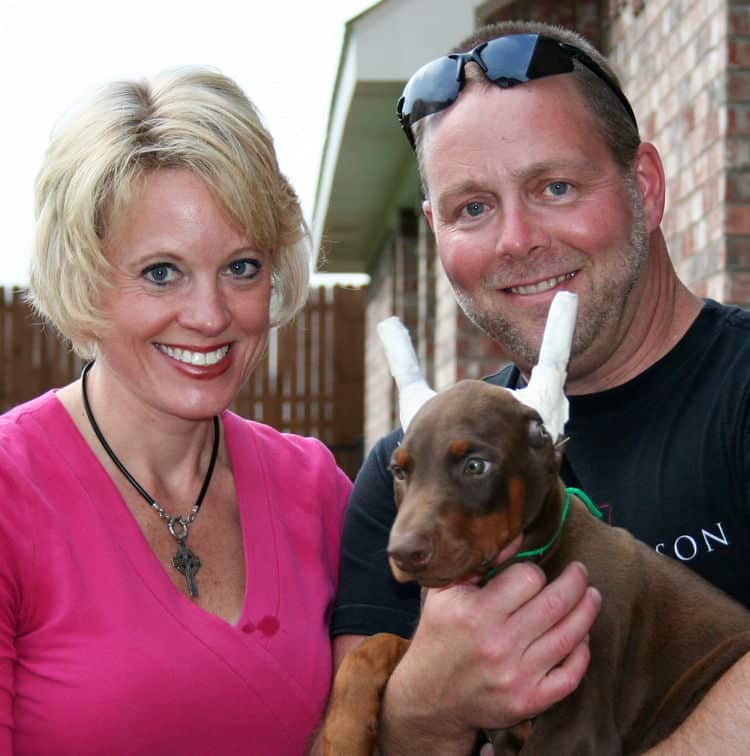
(666, 455)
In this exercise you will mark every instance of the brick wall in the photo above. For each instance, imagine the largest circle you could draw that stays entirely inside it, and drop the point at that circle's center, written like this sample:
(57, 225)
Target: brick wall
(673, 56)
(394, 290)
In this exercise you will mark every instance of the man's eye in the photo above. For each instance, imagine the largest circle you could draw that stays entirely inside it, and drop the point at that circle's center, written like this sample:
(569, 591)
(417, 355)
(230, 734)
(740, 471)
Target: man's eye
(245, 268)
(160, 273)
(476, 466)
(474, 209)
(558, 188)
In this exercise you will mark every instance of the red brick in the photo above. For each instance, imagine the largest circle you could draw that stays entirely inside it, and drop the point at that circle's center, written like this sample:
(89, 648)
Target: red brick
(737, 219)
(738, 86)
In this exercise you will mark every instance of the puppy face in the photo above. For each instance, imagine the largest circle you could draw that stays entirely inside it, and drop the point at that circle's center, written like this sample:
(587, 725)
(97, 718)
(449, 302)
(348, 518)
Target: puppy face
(474, 469)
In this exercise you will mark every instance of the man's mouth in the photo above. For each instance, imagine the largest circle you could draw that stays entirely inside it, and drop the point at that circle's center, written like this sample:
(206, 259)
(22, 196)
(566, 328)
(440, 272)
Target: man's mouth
(194, 358)
(541, 286)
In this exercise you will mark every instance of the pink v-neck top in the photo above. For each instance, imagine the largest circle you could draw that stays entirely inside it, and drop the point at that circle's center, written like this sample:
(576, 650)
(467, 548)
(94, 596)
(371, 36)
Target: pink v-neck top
(101, 654)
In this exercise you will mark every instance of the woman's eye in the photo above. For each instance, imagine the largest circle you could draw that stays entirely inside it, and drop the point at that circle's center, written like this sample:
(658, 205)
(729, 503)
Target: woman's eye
(476, 466)
(160, 273)
(473, 209)
(245, 268)
(558, 188)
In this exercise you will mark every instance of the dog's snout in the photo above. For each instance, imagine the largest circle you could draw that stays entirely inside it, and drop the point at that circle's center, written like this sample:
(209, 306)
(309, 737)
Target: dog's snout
(411, 551)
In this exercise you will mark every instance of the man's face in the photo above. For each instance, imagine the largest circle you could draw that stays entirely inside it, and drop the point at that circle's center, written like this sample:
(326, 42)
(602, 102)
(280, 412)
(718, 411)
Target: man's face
(525, 200)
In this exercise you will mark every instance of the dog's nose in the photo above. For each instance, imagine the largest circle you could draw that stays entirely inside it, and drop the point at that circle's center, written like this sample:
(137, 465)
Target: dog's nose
(410, 551)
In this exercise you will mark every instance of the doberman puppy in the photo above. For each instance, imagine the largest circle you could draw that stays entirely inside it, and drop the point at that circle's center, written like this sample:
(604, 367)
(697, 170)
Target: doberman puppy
(476, 468)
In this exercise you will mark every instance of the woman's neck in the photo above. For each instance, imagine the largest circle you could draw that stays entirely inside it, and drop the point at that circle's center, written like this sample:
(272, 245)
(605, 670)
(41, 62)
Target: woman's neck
(162, 452)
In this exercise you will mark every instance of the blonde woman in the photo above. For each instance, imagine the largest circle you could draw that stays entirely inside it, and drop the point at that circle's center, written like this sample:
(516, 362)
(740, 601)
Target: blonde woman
(167, 567)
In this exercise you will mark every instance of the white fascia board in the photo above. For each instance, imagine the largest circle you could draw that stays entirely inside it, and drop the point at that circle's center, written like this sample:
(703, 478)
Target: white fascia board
(347, 82)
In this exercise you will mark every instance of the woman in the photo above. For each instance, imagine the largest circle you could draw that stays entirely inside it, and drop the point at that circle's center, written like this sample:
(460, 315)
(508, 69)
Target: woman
(167, 566)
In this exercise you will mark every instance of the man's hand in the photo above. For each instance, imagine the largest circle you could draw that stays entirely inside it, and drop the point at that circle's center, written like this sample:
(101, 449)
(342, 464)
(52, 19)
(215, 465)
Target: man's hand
(488, 658)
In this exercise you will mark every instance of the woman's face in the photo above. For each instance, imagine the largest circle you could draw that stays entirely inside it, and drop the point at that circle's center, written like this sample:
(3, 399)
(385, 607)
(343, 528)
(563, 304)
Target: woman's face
(188, 305)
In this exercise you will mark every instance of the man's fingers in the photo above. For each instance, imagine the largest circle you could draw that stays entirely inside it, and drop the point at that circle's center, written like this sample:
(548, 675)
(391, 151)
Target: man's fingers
(552, 604)
(565, 678)
(560, 641)
(514, 587)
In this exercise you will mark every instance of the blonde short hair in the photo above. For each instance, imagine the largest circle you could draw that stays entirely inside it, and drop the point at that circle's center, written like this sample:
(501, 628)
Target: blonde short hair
(192, 118)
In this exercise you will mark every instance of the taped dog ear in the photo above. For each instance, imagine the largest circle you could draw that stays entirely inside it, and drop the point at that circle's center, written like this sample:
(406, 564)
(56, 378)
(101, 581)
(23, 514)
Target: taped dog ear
(403, 363)
(545, 391)
(560, 445)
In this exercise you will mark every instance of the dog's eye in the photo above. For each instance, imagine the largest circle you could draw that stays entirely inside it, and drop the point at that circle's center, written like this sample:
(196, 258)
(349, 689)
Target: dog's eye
(538, 435)
(398, 472)
(476, 466)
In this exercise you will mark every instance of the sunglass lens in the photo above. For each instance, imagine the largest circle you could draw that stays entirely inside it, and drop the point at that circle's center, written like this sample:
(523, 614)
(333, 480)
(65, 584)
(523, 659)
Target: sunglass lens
(433, 88)
(507, 59)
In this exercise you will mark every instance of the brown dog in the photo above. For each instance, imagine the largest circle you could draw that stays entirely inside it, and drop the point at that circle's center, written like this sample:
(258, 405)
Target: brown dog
(476, 467)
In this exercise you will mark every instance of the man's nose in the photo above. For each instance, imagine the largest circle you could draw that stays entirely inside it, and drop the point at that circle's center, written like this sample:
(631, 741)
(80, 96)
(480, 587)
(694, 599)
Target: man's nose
(521, 230)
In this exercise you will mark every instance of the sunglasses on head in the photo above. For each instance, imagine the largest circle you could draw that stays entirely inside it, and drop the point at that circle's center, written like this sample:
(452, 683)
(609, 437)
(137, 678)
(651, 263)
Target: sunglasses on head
(506, 61)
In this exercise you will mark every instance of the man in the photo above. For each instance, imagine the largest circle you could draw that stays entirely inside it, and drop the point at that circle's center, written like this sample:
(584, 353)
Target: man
(536, 181)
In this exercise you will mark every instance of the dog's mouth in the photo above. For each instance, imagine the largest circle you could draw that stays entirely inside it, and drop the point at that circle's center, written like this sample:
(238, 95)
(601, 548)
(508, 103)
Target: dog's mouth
(471, 570)
(461, 566)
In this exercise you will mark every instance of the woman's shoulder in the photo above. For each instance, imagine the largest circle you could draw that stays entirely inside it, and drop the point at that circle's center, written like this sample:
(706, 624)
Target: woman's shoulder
(39, 419)
(300, 468)
(273, 443)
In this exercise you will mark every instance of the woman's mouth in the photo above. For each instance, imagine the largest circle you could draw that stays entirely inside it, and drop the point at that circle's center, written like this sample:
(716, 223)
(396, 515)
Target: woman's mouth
(189, 357)
(541, 286)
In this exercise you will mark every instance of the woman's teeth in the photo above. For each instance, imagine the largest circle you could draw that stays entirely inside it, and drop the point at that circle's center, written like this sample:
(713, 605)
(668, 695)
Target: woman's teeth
(194, 358)
(542, 286)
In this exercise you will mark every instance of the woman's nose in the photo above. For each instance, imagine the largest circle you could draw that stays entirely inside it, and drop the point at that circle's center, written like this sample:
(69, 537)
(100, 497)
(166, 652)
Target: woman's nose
(206, 309)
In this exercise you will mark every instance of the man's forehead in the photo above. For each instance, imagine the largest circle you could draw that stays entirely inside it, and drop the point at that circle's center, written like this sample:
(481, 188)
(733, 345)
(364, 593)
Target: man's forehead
(486, 119)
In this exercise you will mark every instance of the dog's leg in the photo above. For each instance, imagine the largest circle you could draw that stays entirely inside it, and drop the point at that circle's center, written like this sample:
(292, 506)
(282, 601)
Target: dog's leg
(352, 720)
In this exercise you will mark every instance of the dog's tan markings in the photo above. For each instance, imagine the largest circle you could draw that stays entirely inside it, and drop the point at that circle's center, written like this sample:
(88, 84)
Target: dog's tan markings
(516, 500)
(402, 457)
(459, 447)
(491, 532)
(482, 536)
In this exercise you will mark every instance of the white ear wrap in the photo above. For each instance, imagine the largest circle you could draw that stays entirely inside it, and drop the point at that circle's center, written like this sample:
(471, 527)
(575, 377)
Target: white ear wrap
(544, 392)
(413, 390)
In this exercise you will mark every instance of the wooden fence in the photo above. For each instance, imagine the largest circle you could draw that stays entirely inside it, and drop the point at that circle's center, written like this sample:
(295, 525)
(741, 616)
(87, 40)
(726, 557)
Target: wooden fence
(310, 381)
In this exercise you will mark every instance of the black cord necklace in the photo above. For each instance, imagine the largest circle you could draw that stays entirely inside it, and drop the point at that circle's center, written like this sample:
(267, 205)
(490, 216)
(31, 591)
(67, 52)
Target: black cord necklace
(184, 560)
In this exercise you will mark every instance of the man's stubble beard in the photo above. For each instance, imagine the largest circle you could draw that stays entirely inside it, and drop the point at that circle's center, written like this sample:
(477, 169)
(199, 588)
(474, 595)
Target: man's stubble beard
(603, 309)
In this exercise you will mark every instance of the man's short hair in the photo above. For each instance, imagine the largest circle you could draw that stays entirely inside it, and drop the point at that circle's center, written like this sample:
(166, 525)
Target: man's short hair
(616, 127)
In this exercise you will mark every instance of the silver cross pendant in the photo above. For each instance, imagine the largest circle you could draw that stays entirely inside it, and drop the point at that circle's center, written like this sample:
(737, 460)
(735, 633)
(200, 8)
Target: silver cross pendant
(188, 563)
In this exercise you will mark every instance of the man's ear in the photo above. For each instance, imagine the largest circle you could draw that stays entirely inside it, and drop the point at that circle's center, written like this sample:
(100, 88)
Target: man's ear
(427, 210)
(649, 177)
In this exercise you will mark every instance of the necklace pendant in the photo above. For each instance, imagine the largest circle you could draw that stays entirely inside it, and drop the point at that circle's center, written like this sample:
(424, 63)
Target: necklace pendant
(188, 563)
